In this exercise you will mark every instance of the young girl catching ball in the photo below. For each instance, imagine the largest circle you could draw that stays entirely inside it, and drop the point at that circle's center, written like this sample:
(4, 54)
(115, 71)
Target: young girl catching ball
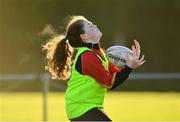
(76, 56)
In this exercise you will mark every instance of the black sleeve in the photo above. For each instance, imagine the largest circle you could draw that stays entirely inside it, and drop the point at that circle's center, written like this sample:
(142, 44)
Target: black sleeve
(121, 77)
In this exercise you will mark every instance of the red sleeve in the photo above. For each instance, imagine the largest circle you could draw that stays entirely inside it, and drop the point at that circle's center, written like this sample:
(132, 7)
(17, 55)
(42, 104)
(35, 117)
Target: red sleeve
(113, 68)
(92, 66)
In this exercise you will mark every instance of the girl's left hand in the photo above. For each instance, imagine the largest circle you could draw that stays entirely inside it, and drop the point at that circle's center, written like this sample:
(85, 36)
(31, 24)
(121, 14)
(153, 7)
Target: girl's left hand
(134, 61)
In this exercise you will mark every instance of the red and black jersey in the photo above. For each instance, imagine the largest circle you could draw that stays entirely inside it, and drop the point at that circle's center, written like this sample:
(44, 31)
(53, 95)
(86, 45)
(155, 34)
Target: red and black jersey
(88, 63)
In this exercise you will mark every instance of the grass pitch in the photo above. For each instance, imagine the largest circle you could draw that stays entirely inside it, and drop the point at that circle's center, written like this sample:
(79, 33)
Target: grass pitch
(120, 106)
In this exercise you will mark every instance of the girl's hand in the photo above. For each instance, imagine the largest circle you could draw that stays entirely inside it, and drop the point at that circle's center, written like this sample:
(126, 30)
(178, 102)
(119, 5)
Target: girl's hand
(134, 60)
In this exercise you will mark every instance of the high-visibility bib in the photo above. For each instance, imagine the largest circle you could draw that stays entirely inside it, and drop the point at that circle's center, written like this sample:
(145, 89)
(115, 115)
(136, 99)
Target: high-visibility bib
(84, 92)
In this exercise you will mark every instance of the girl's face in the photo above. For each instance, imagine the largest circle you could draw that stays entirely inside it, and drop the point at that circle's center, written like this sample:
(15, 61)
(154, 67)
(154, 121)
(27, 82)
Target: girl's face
(92, 33)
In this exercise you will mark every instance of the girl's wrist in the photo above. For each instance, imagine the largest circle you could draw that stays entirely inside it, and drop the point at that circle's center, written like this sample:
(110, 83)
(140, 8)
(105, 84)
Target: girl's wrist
(128, 69)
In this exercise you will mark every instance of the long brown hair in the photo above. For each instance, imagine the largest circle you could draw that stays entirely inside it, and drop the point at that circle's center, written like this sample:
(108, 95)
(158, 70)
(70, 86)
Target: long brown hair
(59, 49)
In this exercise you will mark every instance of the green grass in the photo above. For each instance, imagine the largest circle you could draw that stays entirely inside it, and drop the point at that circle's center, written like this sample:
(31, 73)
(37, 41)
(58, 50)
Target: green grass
(120, 106)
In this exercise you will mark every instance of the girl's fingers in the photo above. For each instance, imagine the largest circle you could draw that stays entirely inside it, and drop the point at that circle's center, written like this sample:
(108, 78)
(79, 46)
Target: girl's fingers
(138, 48)
(137, 44)
(141, 63)
(142, 58)
(134, 50)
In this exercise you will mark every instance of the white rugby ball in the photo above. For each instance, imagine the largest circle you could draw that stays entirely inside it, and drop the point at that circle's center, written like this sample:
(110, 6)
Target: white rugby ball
(118, 54)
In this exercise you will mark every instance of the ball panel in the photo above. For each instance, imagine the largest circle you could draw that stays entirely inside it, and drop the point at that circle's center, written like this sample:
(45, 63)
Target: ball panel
(117, 55)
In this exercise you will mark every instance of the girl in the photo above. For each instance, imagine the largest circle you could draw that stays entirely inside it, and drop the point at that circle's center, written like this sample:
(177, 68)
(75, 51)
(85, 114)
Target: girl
(78, 57)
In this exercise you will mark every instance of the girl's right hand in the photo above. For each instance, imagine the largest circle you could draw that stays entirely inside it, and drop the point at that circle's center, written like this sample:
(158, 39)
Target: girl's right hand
(134, 60)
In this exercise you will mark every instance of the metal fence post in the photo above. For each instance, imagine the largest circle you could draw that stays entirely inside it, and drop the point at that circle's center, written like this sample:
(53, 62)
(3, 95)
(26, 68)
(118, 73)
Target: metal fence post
(45, 78)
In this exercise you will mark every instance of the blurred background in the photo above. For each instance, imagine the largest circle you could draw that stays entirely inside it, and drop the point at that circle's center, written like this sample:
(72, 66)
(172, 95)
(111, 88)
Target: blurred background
(27, 94)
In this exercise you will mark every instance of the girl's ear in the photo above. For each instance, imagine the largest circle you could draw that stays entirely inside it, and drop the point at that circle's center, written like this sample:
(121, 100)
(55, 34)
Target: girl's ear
(84, 36)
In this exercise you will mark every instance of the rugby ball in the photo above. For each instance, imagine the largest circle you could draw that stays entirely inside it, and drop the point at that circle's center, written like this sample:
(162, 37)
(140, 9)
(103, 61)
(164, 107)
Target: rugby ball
(118, 54)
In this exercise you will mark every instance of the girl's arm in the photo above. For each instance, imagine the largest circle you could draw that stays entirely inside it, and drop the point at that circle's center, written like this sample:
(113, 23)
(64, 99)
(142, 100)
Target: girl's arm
(89, 64)
(120, 76)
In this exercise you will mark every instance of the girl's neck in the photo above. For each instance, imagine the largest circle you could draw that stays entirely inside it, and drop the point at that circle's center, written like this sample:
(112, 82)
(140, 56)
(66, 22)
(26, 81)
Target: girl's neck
(91, 41)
